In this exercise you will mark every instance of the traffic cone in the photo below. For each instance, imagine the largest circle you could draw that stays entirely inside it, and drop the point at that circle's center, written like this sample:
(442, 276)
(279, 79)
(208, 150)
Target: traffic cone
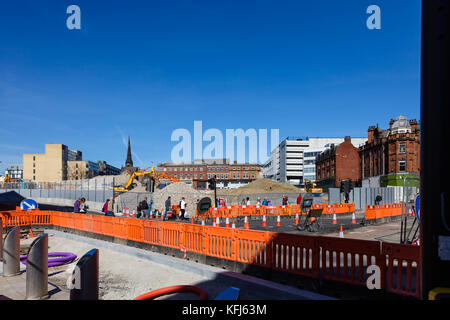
(278, 221)
(192, 220)
(31, 233)
(264, 222)
(341, 232)
(227, 223)
(217, 222)
(203, 221)
(214, 223)
(353, 218)
(233, 224)
(334, 218)
(296, 222)
(246, 224)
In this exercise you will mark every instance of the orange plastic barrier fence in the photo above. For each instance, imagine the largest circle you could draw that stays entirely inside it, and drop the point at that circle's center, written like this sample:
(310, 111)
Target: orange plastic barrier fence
(402, 260)
(343, 260)
(346, 260)
(383, 211)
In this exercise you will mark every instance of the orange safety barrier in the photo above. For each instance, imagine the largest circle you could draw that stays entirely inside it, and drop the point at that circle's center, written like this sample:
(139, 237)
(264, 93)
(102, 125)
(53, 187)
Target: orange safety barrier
(335, 256)
(334, 259)
(383, 211)
(402, 262)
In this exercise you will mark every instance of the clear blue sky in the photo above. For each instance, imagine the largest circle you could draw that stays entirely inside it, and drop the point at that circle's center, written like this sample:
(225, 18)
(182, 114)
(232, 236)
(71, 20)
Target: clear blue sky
(145, 68)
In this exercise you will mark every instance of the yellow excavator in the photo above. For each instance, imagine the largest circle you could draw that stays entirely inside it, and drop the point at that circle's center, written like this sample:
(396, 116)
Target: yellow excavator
(311, 187)
(152, 174)
(6, 180)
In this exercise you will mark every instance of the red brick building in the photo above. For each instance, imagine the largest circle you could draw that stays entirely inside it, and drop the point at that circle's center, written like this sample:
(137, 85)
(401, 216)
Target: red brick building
(197, 173)
(337, 163)
(390, 155)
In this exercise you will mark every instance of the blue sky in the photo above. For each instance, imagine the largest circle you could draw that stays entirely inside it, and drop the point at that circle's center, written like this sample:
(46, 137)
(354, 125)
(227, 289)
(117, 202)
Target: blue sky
(145, 68)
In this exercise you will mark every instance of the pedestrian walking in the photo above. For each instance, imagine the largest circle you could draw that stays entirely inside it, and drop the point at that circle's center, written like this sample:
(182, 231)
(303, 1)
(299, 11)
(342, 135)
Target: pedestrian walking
(110, 209)
(167, 205)
(105, 207)
(182, 208)
(143, 208)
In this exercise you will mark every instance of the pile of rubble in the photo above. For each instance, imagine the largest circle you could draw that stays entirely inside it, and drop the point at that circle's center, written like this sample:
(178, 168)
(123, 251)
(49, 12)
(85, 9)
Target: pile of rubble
(178, 190)
(260, 186)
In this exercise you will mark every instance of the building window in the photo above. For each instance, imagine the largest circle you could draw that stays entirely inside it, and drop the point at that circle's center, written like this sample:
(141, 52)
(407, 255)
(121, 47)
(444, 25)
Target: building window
(34, 158)
(402, 148)
(34, 171)
(34, 177)
(402, 165)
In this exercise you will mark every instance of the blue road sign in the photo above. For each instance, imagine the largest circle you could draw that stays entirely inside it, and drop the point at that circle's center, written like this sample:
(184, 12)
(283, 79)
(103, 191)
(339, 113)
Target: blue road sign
(417, 207)
(28, 204)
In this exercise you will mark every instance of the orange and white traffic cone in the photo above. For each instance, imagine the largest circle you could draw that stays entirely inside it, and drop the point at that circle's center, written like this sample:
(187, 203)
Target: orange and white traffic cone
(353, 218)
(203, 221)
(278, 221)
(217, 222)
(233, 224)
(334, 218)
(192, 220)
(341, 232)
(296, 222)
(227, 223)
(31, 233)
(264, 222)
(214, 223)
(246, 224)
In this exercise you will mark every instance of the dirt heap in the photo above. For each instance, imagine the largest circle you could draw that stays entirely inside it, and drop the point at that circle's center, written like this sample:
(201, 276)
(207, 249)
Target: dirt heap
(261, 186)
(178, 190)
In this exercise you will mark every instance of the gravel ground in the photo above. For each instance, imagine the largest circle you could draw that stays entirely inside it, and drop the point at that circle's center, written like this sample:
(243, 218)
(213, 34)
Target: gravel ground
(123, 276)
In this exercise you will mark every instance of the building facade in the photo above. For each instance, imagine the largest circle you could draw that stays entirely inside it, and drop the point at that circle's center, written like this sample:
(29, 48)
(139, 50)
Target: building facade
(293, 161)
(77, 170)
(198, 172)
(391, 155)
(49, 166)
(338, 163)
(15, 172)
(59, 163)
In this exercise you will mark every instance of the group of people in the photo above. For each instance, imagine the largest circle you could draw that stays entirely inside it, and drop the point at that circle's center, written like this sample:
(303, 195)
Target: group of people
(80, 206)
(168, 208)
(108, 207)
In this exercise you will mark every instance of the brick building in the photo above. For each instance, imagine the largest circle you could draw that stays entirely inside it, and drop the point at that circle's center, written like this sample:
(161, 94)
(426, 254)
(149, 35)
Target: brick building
(197, 173)
(390, 155)
(337, 163)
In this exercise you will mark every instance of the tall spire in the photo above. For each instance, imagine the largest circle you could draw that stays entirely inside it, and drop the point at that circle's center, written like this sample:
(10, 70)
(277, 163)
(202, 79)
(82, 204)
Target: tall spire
(129, 162)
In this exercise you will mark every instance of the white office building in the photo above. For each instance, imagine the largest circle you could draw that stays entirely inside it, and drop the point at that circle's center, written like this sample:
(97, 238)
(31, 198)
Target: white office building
(293, 160)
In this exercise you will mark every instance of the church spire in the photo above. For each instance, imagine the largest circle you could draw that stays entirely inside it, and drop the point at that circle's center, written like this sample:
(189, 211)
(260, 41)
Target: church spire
(129, 162)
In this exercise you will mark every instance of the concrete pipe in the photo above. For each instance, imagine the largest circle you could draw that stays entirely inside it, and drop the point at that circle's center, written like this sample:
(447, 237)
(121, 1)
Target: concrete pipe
(37, 269)
(85, 277)
(11, 253)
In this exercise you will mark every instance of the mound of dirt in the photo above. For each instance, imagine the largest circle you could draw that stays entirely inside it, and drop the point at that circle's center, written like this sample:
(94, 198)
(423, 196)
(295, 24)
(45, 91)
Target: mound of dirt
(261, 186)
